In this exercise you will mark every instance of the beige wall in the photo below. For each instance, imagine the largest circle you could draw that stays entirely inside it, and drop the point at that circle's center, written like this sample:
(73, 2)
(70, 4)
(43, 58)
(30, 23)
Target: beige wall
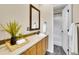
(18, 12)
(76, 13)
(47, 16)
(76, 20)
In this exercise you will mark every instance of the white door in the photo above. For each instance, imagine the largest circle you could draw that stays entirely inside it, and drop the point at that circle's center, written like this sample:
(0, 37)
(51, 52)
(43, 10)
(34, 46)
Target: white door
(65, 25)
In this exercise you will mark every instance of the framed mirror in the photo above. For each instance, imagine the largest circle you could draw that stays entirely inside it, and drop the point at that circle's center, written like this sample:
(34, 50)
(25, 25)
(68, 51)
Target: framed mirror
(34, 18)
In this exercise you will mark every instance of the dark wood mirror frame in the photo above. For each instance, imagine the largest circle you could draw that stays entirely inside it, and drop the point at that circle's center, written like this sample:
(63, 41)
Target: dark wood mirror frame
(31, 6)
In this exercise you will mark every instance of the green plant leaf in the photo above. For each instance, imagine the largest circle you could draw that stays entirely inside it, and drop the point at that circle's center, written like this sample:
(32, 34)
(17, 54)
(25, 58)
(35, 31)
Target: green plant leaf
(12, 28)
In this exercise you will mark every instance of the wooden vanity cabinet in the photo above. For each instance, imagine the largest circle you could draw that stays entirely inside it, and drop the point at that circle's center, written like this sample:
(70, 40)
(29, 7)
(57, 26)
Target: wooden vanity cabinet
(39, 48)
(43, 46)
(31, 51)
(46, 43)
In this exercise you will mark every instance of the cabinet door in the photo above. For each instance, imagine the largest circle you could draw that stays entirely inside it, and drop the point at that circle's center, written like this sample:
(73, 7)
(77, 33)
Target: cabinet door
(43, 46)
(46, 43)
(30, 51)
(39, 48)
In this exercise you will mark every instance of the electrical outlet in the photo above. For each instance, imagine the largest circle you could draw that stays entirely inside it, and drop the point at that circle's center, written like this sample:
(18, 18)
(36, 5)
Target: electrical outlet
(28, 28)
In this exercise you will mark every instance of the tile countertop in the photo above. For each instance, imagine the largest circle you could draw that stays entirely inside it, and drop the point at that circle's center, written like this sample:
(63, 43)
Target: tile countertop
(32, 40)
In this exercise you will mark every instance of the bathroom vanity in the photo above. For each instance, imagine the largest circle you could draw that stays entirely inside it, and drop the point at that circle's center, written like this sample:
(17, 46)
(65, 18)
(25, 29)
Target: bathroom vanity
(37, 45)
(39, 48)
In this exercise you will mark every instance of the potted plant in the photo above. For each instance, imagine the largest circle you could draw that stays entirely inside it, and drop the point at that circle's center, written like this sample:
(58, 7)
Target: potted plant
(12, 28)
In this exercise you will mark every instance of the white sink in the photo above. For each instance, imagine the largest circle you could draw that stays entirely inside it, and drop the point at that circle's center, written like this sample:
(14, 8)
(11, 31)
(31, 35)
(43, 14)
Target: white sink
(41, 34)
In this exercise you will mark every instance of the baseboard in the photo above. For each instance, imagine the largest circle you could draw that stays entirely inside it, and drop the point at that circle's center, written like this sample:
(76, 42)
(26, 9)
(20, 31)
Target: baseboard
(50, 51)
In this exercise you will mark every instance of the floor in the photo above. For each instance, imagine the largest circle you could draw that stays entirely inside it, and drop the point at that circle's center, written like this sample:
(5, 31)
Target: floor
(58, 50)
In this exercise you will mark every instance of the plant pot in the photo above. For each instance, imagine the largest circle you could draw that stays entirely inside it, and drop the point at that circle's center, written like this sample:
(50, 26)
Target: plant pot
(13, 40)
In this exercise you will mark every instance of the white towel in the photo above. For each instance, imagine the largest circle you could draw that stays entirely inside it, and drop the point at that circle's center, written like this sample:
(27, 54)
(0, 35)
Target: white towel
(73, 38)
